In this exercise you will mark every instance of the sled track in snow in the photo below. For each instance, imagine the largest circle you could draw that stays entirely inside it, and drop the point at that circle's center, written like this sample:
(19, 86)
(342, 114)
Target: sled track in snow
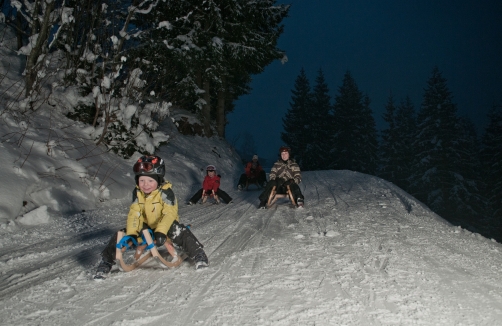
(249, 231)
(44, 260)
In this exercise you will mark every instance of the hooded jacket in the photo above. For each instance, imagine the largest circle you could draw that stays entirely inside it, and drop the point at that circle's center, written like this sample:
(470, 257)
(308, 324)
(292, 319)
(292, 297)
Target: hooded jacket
(158, 210)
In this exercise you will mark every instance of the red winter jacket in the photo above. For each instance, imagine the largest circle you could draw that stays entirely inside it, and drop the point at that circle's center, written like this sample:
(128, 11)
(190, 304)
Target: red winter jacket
(253, 172)
(211, 183)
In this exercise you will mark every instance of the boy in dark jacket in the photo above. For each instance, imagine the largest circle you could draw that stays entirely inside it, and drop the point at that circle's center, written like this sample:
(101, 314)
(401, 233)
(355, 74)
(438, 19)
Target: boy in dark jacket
(285, 173)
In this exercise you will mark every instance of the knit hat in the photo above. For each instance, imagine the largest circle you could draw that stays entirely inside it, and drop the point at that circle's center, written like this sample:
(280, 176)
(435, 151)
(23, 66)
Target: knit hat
(255, 157)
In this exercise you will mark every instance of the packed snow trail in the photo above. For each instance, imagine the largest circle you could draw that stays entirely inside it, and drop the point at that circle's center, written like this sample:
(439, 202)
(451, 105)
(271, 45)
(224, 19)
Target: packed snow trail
(361, 252)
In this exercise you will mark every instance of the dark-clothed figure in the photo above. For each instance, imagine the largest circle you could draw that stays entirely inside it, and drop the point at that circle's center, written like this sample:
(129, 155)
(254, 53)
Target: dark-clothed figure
(253, 172)
(284, 173)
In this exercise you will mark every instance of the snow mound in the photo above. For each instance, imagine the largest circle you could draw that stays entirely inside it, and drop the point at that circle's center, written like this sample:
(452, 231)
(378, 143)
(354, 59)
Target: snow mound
(37, 216)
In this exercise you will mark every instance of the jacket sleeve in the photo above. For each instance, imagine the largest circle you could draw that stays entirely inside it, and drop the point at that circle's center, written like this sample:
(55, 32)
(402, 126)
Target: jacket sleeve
(273, 172)
(295, 168)
(169, 211)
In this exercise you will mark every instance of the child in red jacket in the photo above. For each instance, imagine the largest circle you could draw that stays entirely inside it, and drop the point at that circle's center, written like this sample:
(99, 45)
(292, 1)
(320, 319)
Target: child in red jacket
(253, 172)
(210, 188)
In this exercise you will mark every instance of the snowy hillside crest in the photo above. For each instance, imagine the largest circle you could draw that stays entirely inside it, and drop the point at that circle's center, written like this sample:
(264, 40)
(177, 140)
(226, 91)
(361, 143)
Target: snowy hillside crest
(361, 252)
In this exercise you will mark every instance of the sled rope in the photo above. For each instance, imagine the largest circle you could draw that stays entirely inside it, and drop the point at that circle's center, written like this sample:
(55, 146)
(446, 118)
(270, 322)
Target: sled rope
(124, 242)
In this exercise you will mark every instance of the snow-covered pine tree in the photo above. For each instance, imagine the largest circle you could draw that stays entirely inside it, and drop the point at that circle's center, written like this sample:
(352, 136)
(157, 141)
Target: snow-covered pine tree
(296, 121)
(440, 178)
(251, 31)
(97, 46)
(491, 158)
(317, 153)
(355, 143)
(208, 49)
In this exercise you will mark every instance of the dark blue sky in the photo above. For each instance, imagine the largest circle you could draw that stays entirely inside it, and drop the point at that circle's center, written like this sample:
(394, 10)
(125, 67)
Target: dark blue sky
(388, 46)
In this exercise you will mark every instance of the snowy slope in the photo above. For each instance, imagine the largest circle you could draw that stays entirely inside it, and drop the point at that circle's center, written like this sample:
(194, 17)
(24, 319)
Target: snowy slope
(362, 252)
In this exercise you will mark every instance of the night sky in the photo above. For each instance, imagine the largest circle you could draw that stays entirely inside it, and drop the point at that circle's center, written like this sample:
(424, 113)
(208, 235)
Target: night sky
(388, 46)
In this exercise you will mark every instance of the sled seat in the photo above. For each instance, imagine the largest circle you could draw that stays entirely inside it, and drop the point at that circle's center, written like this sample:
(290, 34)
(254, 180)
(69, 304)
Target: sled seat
(252, 181)
(152, 252)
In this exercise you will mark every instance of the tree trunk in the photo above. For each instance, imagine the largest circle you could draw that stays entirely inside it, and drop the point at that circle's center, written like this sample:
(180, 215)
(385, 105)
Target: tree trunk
(19, 32)
(107, 121)
(220, 109)
(126, 25)
(206, 109)
(31, 61)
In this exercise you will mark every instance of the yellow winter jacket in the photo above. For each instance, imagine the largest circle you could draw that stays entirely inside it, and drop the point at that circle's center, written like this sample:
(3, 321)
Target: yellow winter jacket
(158, 210)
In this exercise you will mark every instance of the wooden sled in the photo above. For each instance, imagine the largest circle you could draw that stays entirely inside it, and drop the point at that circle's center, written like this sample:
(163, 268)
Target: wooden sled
(153, 252)
(274, 196)
(252, 181)
(215, 197)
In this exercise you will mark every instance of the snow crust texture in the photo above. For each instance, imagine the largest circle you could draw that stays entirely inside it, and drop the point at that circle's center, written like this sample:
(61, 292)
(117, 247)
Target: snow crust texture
(361, 252)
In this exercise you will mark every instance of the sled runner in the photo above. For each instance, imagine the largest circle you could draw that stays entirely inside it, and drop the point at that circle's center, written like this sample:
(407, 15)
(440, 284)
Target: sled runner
(274, 195)
(215, 197)
(152, 252)
(252, 181)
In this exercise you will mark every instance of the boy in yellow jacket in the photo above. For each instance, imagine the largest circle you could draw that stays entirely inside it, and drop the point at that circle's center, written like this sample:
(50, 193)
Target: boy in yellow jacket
(154, 207)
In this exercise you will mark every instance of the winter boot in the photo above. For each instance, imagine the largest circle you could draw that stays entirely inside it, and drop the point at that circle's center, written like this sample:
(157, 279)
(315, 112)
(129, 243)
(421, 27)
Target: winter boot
(299, 202)
(103, 270)
(201, 260)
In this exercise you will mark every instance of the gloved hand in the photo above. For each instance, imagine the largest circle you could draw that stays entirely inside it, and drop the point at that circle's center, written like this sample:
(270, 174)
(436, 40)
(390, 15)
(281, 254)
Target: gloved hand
(160, 238)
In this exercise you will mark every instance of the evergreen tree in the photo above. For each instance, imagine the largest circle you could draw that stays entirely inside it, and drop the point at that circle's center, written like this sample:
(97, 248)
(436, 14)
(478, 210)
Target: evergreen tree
(467, 194)
(405, 130)
(396, 150)
(295, 122)
(442, 177)
(355, 142)
(317, 153)
(247, 148)
(207, 51)
(387, 167)
(491, 157)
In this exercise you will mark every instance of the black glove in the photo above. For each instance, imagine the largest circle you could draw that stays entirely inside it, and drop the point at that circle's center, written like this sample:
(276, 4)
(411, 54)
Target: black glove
(160, 238)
